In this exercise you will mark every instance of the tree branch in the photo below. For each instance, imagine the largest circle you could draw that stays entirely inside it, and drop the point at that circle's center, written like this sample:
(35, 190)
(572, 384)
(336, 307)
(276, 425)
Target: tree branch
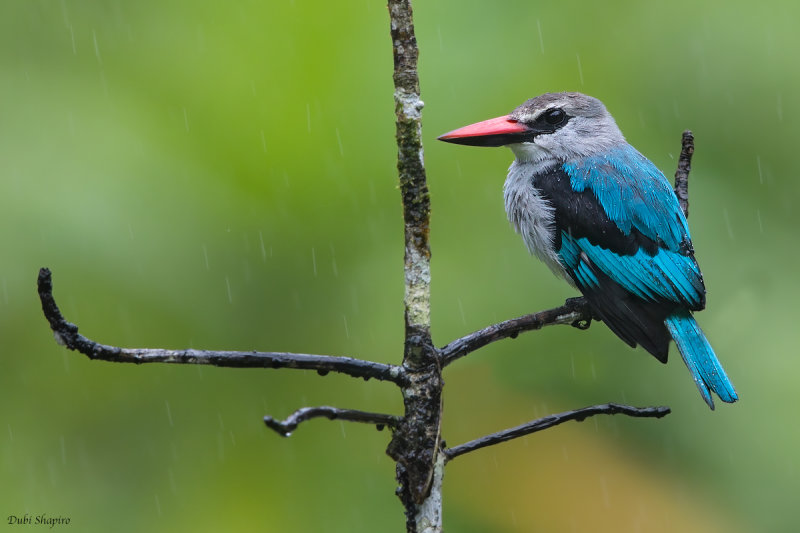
(67, 334)
(287, 426)
(415, 444)
(554, 420)
(682, 173)
(575, 312)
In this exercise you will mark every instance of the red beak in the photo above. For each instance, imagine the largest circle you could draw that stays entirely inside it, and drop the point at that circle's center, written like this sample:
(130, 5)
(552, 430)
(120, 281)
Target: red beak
(493, 132)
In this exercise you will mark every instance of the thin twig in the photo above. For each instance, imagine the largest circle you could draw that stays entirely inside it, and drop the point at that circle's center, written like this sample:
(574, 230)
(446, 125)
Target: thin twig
(554, 420)
(575, 312)
(682, 173)
(287, 426)
(67, 334)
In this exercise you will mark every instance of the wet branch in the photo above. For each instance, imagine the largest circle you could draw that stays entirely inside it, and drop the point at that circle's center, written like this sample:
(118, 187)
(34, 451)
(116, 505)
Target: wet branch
(575, 312)
(682, 173)
(67, 334)
(287, 426)
(554, 420)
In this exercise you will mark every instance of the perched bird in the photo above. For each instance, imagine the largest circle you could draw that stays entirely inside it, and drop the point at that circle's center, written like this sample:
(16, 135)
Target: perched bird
(601, 215)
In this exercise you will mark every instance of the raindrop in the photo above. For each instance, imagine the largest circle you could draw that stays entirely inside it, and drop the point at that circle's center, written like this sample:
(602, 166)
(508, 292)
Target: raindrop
(760, 174)
(263, 141)
(158, 505)
(541, 39)
(580, 70)
(72, 37)
(263, 249)
(728, 222)
(341, 425)
(205, 256)
(96, 47)
(314, 260)
(461, 310)
(228, 286)
(346, 329)
(339, 140)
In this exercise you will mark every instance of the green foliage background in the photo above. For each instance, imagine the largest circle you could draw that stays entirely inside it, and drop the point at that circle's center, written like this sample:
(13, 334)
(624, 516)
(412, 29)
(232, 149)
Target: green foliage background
(222, 175)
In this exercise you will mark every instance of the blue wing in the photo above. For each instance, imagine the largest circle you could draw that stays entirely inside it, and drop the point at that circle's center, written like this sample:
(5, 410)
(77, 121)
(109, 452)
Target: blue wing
(622, 237)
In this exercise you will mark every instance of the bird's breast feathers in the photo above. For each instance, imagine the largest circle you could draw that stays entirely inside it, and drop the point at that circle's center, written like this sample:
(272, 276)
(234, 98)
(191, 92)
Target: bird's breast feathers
(531, 214)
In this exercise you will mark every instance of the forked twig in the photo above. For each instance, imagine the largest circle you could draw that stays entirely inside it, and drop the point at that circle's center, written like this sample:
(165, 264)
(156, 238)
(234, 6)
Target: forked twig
(287, 426)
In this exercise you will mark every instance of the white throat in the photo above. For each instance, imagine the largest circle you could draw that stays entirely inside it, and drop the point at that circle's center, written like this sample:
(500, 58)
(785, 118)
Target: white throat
(532, 216)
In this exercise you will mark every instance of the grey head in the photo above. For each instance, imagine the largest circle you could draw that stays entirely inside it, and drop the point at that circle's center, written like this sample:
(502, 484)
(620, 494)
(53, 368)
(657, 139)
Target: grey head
(563, 126)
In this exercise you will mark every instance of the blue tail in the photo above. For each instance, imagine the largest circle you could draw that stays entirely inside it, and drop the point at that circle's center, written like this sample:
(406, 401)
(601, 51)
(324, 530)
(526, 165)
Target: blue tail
(699, 357)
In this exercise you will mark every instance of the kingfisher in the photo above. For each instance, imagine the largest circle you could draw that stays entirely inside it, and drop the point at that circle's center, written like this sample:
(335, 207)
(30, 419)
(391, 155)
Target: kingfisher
(603, 217)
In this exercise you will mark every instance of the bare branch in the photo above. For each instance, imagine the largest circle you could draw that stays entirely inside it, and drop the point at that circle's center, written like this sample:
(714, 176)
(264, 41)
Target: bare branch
(286, 427)
(575, 312)
(413, 185)
(554, 420)
(415, 443)
(67, 334)
(682, 173)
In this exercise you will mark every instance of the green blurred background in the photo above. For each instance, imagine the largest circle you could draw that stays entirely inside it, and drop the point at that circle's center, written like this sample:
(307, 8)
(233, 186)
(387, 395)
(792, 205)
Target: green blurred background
(222, 175)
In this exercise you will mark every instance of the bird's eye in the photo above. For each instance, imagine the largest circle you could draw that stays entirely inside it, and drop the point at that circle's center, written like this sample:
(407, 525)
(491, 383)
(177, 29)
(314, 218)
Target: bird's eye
(555, 117)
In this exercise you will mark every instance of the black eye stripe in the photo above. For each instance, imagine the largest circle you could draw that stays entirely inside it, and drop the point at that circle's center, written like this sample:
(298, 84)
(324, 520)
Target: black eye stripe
(548, 122)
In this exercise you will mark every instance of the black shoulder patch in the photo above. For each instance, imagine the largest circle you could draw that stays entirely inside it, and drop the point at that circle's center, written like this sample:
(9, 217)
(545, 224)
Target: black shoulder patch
(581, 215)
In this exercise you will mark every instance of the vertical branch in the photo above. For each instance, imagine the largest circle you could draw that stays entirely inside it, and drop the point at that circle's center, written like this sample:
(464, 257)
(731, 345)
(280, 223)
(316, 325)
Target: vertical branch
(415, 444)
(682, 173)
(411, 170)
